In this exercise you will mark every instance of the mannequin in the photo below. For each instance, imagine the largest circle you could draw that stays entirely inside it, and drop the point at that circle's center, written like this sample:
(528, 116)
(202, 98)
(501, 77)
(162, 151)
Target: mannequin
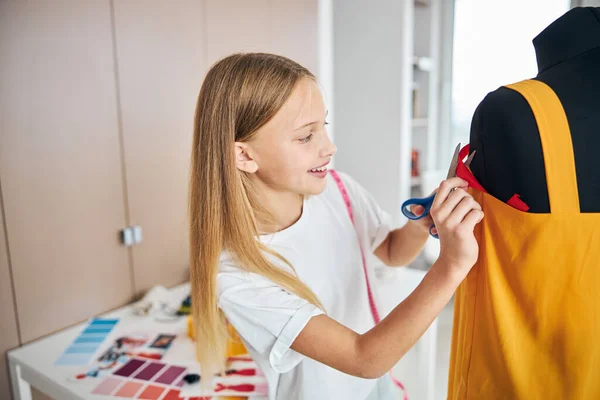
(504, 133)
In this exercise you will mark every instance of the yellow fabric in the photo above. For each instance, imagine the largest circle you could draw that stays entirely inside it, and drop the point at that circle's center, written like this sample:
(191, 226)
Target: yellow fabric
(527, 317)
(234, 347)
(556, 144)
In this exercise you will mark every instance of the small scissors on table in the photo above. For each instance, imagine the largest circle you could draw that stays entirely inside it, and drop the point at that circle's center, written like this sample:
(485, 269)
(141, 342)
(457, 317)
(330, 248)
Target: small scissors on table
(427, 202)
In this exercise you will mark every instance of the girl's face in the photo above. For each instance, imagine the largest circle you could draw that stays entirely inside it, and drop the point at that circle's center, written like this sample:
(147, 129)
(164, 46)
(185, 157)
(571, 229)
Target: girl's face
(291, 152)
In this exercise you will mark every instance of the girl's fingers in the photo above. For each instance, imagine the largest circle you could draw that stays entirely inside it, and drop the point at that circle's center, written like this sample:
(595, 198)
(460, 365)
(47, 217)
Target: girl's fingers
(417, 210)
(473, 218)
(445, 189)
(446, 209)
(459, 213)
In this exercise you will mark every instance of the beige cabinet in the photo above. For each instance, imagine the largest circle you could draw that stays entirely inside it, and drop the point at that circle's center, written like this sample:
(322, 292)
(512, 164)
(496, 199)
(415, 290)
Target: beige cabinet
(160, 53)
(236, 26)
(294, 32)
(97, 103)
(286, 27)
(9, 335)
(60, 162)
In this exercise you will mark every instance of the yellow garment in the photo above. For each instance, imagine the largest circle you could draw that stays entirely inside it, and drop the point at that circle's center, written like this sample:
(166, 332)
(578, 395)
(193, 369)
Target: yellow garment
(526, 322)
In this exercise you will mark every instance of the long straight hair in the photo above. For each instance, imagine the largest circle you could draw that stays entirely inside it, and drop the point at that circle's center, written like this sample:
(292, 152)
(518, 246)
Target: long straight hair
(239, 95)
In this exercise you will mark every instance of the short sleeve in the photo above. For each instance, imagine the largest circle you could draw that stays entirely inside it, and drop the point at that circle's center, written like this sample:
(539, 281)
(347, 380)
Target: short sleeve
(266, 317)
(372, 223)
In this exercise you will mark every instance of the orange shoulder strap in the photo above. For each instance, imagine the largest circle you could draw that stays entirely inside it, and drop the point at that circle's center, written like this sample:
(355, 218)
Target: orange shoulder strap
(557, 146)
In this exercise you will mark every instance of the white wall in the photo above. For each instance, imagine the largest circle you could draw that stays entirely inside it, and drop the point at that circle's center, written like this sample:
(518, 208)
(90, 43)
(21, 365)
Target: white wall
(325, 70)
(372, 75)
(585, 3)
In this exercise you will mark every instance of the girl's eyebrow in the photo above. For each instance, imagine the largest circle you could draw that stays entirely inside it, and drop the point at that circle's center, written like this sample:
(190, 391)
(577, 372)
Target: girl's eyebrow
(310, 123)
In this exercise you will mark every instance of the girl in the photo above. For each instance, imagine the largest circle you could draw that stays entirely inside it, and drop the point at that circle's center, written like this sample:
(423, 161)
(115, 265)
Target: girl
(274, 252)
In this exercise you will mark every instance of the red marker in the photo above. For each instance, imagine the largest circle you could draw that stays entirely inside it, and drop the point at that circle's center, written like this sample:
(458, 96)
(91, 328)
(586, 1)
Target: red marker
(239, 358)
(238, 388)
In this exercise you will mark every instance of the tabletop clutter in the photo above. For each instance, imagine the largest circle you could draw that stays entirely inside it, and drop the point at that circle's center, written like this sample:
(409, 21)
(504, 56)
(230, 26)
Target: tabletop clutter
(129, 359)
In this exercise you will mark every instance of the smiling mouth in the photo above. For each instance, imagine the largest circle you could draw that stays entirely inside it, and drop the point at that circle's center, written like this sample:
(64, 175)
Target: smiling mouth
(322, 168)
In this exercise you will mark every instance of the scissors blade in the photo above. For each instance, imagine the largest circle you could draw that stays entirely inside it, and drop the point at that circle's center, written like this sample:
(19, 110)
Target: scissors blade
(454, 163)
(470, 159)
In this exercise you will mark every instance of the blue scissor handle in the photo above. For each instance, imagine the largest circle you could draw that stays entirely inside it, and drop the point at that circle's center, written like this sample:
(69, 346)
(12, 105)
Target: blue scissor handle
(426, 202)
(435, 235)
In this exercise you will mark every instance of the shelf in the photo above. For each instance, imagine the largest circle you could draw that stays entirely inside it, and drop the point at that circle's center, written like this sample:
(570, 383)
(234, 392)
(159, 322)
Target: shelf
(420, 122)
(415, 181)
(423, 63)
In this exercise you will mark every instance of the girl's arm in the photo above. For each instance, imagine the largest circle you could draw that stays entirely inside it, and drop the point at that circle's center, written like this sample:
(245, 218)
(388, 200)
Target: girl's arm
(403, 245)
(375, 352)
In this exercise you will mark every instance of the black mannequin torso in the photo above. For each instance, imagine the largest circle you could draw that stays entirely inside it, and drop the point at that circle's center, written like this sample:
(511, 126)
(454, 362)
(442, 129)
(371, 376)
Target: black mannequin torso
(504, 133)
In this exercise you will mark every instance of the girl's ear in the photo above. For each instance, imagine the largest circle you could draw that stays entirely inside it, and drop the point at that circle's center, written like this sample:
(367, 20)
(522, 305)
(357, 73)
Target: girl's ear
(243, 159)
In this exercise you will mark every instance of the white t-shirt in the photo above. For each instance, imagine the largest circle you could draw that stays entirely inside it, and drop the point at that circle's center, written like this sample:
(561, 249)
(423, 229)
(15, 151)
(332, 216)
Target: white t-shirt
(323, 248)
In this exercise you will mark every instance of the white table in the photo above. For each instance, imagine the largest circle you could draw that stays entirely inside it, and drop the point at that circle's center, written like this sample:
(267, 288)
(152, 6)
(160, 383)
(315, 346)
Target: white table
(33, 364)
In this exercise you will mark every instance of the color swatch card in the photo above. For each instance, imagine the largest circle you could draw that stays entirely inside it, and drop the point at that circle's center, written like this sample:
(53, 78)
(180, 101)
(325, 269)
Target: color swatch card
(124, 347)
(83, 348)
(149, 379)
(143, 379)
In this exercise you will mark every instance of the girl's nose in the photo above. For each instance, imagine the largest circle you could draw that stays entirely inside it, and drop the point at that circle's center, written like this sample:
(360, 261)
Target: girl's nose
(328, 149)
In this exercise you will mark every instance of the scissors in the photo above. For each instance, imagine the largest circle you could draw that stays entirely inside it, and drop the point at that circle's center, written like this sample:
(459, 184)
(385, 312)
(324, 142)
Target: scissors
(427, 202)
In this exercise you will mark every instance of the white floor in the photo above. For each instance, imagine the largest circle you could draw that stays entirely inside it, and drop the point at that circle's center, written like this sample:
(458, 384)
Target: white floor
(408, 374)
(392, 288)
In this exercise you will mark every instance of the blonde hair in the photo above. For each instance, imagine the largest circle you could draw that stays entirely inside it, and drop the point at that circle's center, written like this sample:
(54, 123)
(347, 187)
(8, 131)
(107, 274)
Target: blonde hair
(240, 94)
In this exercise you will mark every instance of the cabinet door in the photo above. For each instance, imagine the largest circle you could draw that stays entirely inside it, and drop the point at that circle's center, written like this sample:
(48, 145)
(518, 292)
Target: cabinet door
(9, 337)
(161, 63)
(236, 25)
(294, 31)
(285, 27)
(60, 163)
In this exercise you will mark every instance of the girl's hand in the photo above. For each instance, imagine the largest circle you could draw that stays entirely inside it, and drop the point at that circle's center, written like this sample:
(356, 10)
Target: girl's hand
(424, 223)
(455, 214)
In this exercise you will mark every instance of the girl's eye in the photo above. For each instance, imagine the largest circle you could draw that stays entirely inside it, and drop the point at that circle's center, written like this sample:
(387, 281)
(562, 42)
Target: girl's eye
(306, 139)
(326, 123)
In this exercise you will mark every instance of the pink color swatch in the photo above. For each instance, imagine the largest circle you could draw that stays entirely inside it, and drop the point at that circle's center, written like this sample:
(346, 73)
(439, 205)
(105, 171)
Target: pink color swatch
(151, 392)
(107, 386)
(129, 389)
(172, 395)
(170, 374)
